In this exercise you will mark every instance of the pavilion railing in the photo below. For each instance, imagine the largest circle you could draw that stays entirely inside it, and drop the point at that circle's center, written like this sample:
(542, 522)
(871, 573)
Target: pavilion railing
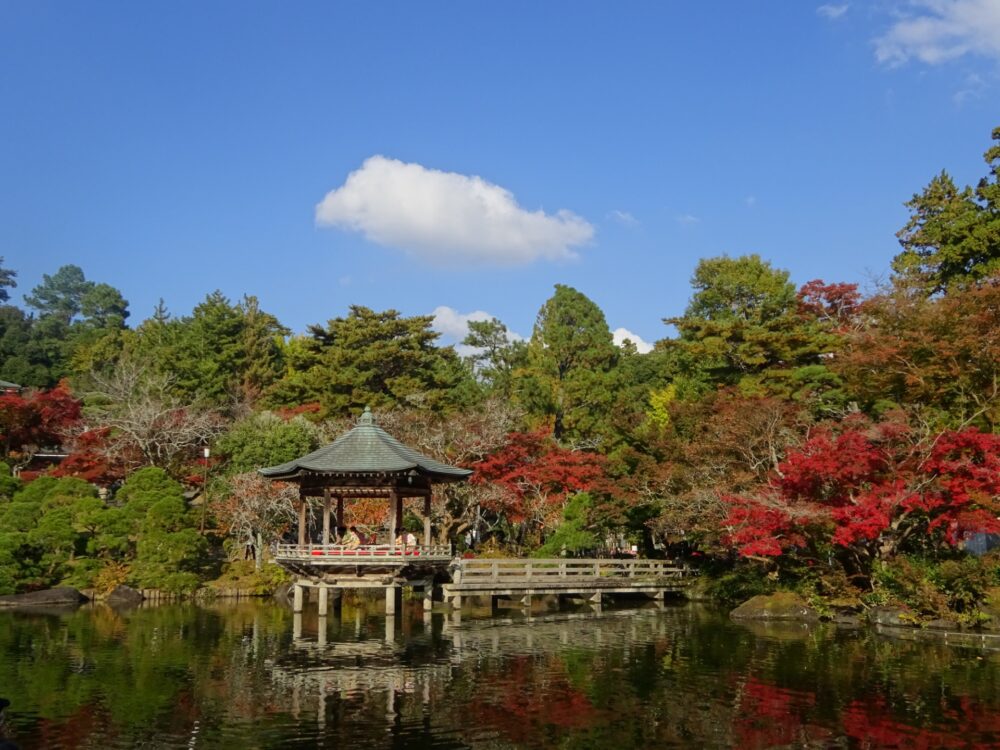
(364, 552)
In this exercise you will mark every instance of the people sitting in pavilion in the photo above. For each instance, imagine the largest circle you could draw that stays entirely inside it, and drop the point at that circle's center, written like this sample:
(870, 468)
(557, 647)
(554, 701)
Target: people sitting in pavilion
(351, 540)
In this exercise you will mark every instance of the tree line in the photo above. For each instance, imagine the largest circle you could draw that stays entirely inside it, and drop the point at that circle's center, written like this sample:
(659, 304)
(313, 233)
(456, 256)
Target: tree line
(813, 436)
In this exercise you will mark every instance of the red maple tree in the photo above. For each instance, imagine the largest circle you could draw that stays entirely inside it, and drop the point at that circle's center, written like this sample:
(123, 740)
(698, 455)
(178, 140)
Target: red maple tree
(537, 475)
(873, 489)
(37, 420)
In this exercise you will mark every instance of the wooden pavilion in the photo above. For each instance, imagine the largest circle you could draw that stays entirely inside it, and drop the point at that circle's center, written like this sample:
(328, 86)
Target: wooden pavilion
(366, 462)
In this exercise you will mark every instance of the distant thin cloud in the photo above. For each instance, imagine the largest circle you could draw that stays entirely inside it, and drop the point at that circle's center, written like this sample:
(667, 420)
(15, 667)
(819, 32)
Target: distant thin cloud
(750, 201)
(687, 219)
(446, 217)
(936, 31)
(624, 218)
(833, 12)
(973, 87)
(621, 335)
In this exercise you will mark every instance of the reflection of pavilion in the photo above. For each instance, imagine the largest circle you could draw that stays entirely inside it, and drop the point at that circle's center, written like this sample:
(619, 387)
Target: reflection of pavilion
(416, 671)
(366, 462)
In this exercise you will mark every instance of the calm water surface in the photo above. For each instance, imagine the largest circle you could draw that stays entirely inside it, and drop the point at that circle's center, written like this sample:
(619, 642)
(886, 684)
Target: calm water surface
(185, 676)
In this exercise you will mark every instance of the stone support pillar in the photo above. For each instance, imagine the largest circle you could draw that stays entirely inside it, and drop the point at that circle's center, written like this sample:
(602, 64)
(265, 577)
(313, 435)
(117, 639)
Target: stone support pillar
(323, 598)
(298, 598)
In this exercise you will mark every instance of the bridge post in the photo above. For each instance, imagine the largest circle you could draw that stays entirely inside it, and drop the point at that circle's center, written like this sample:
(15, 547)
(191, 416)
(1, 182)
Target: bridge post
(298, 598)
(322, 600)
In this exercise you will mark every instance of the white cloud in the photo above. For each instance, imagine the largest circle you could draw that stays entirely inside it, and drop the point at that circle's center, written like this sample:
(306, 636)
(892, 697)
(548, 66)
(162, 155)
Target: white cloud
(750, 200)
(620, 334)
(833, 12)
(687, 219)
(624, 218)
(936, 31)
(445, 217)
(454, 326)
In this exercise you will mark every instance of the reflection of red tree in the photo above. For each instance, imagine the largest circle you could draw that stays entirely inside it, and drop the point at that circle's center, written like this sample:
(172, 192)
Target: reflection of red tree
(972, 726)
(770, 716)
(76, 730)
(530, 703)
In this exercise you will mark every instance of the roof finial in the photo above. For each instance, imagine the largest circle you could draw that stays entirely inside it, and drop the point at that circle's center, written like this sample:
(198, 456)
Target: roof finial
(367, 417)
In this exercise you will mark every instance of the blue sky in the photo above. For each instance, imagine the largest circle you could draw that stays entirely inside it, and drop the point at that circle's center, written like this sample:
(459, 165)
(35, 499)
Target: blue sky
(471, 155)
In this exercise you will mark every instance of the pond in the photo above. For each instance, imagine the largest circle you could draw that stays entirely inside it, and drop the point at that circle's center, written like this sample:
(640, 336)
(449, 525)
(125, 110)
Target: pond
(234, 676)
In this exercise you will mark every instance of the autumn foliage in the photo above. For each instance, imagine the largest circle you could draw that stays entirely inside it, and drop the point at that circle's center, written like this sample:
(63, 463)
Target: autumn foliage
(537, 475)
(39, 419)
(873, 490)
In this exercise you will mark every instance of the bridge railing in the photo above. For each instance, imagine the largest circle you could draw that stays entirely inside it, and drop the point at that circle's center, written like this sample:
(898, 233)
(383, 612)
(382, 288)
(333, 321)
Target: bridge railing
(362, 553)
(520, 570)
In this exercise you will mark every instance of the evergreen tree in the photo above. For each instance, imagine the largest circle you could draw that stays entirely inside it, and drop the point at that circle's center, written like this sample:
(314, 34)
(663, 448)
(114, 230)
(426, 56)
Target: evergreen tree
(953, 235)
(377, 359)
(497, 356)
(60, 296)
(7, 281)
(570, 358)
(745, 326)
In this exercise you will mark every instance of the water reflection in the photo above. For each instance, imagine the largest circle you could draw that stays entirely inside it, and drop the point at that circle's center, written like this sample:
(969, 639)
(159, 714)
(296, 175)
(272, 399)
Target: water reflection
(253, 675)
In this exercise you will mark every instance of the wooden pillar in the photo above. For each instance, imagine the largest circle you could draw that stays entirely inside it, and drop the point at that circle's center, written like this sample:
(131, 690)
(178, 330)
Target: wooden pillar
(302, 521)
(393, 495)
(427, 519)
(326, 516)
(299, 598)
(399, 514)
(340, 512)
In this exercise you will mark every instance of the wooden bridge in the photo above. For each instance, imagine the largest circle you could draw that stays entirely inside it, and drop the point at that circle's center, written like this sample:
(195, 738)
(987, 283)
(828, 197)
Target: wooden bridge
(586, 578)
(332, 568)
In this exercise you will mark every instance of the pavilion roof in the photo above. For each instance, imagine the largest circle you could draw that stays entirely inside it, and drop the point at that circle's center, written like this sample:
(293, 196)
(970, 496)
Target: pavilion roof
(366, 449)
